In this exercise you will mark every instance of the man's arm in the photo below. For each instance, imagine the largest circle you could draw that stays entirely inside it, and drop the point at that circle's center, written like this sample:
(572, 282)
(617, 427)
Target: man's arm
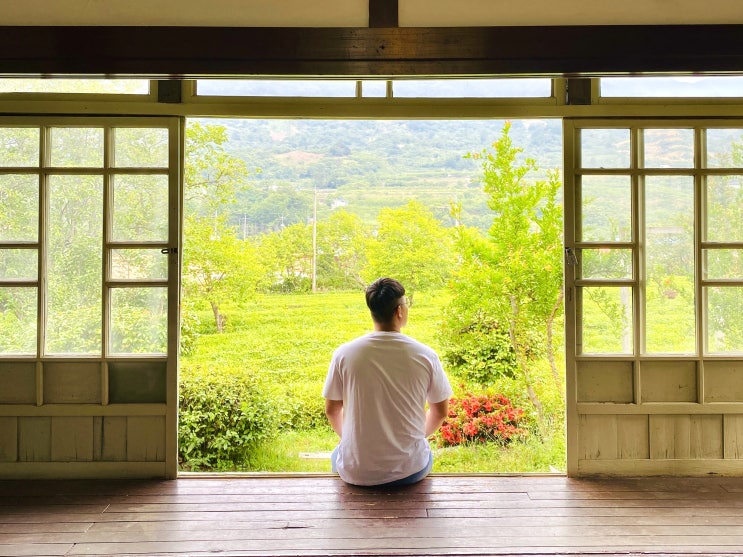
(435, 415)
(334, 412)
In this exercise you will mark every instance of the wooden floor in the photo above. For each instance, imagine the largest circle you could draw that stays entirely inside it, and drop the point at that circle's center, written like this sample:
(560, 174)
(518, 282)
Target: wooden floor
(317, 515)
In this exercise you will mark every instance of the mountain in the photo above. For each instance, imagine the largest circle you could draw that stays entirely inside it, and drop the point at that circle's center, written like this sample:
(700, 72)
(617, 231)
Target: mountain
(364, 165)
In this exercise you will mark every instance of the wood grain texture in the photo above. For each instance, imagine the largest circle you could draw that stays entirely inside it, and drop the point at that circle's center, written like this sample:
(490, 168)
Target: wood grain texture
(320, 515)
(517, 50)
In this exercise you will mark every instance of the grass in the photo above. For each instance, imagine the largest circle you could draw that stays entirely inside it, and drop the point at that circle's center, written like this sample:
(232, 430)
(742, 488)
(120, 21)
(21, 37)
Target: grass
(306, 451)
(288, 340)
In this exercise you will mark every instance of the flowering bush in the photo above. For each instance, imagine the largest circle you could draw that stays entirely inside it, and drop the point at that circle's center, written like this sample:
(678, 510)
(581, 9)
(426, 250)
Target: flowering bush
(480, 418)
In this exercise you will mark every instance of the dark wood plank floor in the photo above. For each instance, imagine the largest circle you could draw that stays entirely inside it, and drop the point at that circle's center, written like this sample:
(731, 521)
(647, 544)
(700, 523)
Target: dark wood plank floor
(320, 515)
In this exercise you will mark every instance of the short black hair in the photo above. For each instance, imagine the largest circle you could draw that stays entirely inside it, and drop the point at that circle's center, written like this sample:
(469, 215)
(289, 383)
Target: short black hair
(383, 297)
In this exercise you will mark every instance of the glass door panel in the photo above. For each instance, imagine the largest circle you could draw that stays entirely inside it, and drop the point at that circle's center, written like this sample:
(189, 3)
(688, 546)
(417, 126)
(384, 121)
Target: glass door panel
(74, 264)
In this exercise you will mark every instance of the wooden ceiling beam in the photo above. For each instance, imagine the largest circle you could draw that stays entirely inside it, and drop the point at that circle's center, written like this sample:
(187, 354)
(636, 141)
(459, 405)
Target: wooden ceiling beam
(190, 52)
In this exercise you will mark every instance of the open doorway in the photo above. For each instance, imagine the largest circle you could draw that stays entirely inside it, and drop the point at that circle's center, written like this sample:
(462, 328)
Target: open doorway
(287, 220)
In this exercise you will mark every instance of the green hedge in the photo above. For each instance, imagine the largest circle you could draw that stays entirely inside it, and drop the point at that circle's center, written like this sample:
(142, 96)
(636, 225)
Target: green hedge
(222, 415)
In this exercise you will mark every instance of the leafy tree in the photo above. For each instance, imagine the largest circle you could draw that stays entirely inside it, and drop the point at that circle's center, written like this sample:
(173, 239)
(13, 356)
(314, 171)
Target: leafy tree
(412, 246)
(511, 279)
(217, 266)
(219, 269)
(341, 242)
(287, 256)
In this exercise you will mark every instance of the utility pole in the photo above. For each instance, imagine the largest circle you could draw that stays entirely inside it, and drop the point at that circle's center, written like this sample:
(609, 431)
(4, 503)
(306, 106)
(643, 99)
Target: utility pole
(314, 242)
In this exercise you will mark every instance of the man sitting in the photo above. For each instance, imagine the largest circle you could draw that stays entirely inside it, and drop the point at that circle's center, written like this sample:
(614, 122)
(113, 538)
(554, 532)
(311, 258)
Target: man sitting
(376, 392)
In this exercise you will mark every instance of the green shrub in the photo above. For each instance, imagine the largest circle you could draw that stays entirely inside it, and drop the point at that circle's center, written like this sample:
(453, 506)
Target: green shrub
(479, 351)
(222, 416)
(303, 406)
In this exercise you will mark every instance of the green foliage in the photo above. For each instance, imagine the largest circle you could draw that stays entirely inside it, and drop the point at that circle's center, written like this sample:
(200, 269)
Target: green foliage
(412, 246)
(217, 265)
(341, 251)
(480, 352)
(533, 454)
(223, 414)
(287, 256)
(513, 277)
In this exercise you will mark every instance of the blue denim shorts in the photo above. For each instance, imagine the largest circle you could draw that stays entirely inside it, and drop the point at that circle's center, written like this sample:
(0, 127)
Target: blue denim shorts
(411, 479)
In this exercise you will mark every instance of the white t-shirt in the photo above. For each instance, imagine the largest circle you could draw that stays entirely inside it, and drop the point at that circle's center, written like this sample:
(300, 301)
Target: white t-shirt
(384, 380)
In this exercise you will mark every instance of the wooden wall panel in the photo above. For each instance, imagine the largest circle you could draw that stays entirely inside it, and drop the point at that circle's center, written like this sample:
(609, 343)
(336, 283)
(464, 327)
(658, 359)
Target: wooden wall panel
(8, 439)
(670, 436)
(723, 381)
(34, 439)
(109, 438)
(633, 437)
(136, 382)
(706, 436)
(146, 439)
(605, 382)
(18, 380)
(686, 436)
(733, 436)
(72, 439)
(598, 437)
(669, 381)
(72, 383)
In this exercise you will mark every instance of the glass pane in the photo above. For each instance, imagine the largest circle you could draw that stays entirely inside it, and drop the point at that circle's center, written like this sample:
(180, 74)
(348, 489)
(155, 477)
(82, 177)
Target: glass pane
(606, 209)
(723, 264)
(724, 148)
(725, 319)
(141, 147)
(605, 148)
(19, 147)
(18, 320)
(18, 264)
(139, 320)
(140, 208)
(276, 88)
(374, 88)
(669, 234)
(724, 209)
(473, 88)
(74, 264)
(605, 263)
(19, 200)
(77, 147)
(669, 148)
(686, 86)
(607, 320)
(138, 264)
(100, 86)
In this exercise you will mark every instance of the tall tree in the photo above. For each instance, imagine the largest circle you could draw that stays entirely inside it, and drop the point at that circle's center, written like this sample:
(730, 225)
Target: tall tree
(341, 250)
(217, 267)
(287, 255)
(412, 246)
(513, 277)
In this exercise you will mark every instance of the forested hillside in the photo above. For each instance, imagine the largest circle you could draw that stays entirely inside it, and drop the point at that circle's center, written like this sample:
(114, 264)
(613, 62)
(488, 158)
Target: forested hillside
(364, 165)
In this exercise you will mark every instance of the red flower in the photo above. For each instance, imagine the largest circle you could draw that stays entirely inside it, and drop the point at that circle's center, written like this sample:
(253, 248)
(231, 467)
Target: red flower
(480, 418)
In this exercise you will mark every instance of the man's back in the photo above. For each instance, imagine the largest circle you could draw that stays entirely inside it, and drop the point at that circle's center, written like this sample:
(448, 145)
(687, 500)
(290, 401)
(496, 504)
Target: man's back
(384, 380)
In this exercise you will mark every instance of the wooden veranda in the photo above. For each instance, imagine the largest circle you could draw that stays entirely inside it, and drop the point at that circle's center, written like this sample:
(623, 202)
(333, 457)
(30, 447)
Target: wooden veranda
(320, 515)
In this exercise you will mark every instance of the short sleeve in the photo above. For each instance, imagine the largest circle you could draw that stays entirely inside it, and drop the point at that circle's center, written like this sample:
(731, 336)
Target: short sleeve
(333, 389)
(440, 389)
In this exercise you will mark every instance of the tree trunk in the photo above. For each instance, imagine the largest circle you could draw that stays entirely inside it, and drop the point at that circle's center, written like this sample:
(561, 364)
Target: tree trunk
(550, 344)
(219, 319)
(522, 363)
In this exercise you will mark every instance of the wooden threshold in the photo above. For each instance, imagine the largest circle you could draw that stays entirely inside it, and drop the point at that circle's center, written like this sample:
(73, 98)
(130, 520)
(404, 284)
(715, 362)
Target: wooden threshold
(320, 515)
